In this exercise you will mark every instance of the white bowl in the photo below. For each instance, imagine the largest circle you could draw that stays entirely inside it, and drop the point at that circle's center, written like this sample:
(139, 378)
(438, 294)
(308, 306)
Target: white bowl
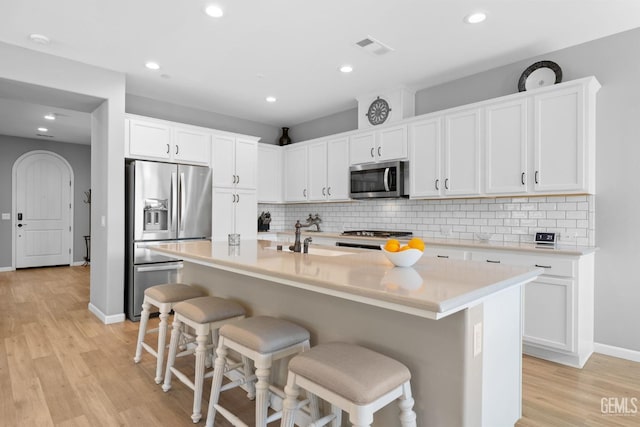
(405, 258)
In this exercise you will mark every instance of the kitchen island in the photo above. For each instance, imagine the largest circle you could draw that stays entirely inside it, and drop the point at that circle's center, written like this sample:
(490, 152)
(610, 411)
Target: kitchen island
(457, 325)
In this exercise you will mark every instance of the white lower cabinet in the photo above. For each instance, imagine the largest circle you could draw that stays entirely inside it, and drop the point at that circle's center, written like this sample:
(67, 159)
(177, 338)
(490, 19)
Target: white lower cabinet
(446, 253)
(558, 305)
(234, 211)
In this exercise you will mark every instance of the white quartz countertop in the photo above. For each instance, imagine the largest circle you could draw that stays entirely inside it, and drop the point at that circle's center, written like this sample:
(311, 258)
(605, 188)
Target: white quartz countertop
(432, 288)
(559, 249)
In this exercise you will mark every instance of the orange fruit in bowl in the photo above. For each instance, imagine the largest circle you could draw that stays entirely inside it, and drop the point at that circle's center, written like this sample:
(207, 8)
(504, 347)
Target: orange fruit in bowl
(392, 246)
(404, 248)
(416, 243)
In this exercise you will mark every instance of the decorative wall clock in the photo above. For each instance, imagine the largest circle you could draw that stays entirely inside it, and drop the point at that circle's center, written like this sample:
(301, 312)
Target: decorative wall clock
(378, 111)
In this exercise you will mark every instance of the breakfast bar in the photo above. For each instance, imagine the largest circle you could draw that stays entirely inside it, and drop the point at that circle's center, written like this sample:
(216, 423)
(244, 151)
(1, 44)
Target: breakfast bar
(457, 325)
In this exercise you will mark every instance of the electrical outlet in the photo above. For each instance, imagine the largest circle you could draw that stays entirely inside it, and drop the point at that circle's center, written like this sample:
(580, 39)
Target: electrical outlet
(477, 339)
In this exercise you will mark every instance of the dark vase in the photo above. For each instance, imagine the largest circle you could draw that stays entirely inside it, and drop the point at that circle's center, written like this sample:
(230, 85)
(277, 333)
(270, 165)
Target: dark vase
(284, 139)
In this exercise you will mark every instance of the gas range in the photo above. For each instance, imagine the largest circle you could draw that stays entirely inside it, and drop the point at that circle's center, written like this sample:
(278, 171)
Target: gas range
(377, 233)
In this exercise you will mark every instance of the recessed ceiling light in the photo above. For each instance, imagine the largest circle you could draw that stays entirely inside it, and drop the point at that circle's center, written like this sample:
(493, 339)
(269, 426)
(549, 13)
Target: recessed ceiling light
(270, 99)
(39, 38)
(346, 69)
(214, 11)
(50, 116)
(152, 65)
(475, 18)
(43, 130)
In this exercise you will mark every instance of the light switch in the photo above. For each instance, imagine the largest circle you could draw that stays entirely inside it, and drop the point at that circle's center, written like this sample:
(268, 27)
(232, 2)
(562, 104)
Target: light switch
(6, 216)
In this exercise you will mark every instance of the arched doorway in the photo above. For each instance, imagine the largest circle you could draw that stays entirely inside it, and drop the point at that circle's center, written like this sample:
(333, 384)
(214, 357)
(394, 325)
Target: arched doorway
(42, 210)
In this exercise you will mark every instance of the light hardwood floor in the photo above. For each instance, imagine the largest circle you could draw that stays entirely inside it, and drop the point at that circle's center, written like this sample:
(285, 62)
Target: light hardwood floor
(60, 366)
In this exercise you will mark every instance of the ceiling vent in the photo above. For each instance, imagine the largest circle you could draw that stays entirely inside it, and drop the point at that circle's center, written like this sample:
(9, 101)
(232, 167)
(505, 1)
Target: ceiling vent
(373, 46)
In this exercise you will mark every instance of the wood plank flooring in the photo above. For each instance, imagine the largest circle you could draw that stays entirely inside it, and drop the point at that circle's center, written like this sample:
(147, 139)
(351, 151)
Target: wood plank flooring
(60, 366)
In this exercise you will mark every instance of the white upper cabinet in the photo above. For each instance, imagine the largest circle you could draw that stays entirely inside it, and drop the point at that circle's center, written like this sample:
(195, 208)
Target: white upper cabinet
(379, 146)
(234, 162)
(506, 147)
(564, 139)
(425, 168)
(295, 173)
(462, 153)
(270, 170)
(338, 169)
(159, 140)
(317, 171)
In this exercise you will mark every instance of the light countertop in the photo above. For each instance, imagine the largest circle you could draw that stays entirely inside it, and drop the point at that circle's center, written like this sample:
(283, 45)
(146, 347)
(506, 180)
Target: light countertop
(558, 249)
(432, 288)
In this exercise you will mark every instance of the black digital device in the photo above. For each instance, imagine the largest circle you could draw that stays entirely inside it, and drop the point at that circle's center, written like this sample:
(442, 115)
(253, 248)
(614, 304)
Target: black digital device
(546, 238)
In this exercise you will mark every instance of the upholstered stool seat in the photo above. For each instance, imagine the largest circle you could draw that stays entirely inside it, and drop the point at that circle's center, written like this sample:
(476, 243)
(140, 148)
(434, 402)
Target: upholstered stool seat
(352, 378)
(164, 297)
(205, 315)
(263, 340)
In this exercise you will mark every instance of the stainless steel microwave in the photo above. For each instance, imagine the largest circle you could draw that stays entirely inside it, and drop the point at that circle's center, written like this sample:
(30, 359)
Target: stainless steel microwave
(379, 180)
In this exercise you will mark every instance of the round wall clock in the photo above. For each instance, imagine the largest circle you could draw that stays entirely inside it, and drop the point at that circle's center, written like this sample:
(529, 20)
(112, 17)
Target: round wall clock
(540, 74)
(378, 111)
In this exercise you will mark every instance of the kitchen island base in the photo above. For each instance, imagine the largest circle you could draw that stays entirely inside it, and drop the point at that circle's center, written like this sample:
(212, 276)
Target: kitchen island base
(466, 367)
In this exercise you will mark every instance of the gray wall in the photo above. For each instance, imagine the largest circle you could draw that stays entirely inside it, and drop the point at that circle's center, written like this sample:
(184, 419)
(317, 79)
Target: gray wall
(338, 122)
(78, 156)
(613, 62)
(135, 104)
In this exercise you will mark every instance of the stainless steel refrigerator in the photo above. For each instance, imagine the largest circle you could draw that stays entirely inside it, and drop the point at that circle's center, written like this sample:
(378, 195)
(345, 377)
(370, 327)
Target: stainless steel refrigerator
(164, 203)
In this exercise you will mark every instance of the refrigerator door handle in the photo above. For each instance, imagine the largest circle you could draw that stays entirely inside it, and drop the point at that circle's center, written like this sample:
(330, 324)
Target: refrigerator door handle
(174, 199)
(182, 201)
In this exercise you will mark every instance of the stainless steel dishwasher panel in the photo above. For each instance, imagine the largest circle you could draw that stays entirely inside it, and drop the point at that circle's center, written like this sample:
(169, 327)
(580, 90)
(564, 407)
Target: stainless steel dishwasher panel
(147, 275)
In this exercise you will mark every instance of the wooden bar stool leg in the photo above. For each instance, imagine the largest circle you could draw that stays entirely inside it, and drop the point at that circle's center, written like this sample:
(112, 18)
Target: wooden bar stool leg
(162, 340)
(337, 412)
(142, 330)
(407, 415)
(218, 374)
(201, 354)
(263, 370)
(247, 372)
(173, 348)
(290, 403)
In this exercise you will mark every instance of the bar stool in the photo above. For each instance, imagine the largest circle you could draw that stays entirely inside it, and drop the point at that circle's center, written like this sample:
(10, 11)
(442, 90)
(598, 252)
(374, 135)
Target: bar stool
(351, 378)
(264, 340)
(205, 315)
(164, 297)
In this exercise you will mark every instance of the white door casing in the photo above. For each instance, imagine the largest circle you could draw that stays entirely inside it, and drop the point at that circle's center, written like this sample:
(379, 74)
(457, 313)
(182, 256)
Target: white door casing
(43, 194)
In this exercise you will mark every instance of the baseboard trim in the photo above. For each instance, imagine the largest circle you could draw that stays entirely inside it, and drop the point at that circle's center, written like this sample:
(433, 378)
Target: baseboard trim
(107, 320)
(619, 352)
(3, 269)
(77, 263)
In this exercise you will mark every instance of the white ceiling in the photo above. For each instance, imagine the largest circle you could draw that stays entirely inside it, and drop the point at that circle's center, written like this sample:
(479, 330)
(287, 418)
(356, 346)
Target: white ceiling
(292, 49)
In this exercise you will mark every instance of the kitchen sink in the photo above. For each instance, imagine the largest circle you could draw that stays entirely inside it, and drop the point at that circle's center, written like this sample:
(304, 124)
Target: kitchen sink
(315, 251)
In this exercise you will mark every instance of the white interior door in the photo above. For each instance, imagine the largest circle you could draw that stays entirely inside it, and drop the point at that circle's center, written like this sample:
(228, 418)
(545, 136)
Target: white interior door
(43, 210)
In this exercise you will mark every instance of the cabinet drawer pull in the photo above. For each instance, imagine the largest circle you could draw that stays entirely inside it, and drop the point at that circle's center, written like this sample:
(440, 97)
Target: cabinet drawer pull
(543, 266)
(437, 184)
(446, 183)
(442, 256)
(328, 191)
(493, 261)
(522, 178)
(379, 152)
(323, 191)
(372, 152)
(237, 179)
(238, 198)
(304, 193)
(177, 149)
(168, 148)
(536, 178)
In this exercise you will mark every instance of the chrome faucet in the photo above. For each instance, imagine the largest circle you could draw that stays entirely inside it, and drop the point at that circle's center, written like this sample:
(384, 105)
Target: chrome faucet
(297, 247)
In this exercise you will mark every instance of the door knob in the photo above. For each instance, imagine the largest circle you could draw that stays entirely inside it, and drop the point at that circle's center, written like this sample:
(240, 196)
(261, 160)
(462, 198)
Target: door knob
(19, 225)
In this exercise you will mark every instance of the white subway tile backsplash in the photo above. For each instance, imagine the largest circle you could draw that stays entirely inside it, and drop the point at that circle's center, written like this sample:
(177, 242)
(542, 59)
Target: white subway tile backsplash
(509, 219)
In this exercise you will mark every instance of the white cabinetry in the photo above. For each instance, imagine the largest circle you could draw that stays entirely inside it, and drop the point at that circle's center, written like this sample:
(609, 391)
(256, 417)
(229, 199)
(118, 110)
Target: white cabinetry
(234, 161)
(446, 253)
(235, 202)
(425, 168)
(295, 173)
(379, 146)
(270, 170)
(159, 140)
(234, 211)
(506, 147)
(564, 134)
(328, 170)
(462, 153)
(558, 305)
